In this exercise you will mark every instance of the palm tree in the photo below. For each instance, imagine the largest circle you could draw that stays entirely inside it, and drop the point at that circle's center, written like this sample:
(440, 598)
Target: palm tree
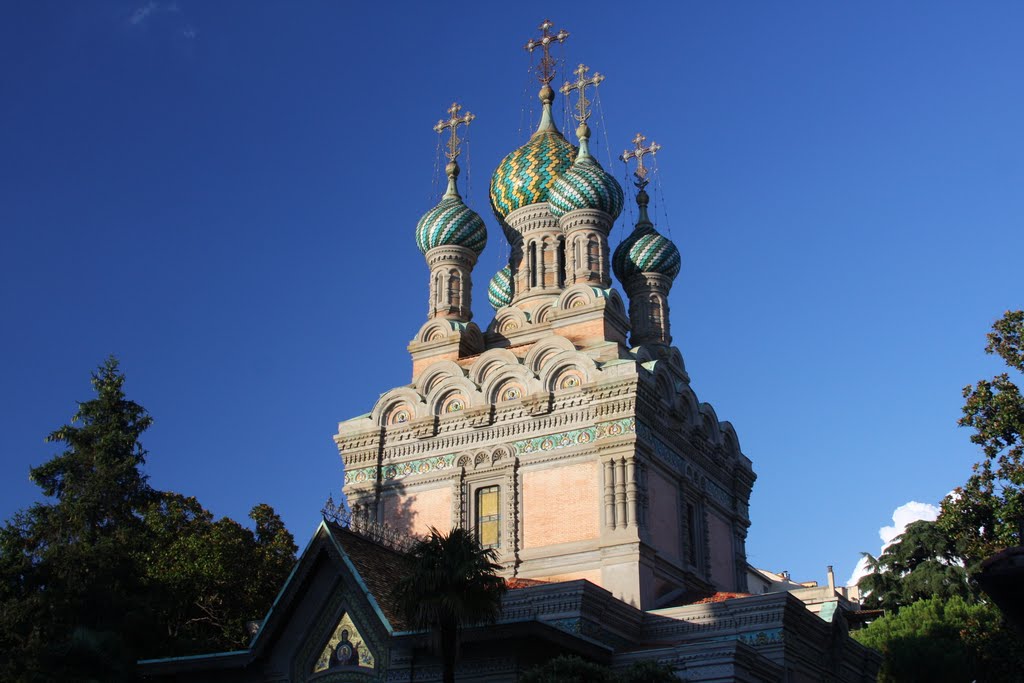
(453, 584)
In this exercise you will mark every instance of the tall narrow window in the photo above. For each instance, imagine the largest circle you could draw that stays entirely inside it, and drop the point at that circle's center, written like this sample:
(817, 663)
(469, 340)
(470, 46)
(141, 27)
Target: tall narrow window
(533, 264)
(691, 534)
(488, 519)
(560, 276)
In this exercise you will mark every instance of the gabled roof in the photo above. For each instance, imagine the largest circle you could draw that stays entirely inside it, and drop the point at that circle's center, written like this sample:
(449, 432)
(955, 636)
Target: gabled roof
(378, 568)
(374, 568)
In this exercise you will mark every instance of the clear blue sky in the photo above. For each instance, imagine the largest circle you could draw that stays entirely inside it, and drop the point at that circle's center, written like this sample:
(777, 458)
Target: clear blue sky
(224, 195)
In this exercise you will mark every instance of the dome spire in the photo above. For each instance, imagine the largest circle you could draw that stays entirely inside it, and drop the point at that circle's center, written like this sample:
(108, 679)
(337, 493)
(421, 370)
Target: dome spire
(454, 142)
(585, 198)
(640, 176)
(546, 71)
(582, 104)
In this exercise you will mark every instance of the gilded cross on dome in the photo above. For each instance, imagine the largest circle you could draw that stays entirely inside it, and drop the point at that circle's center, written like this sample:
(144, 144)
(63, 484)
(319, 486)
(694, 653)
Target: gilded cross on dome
(546, 68)
(452, 124)
(583, 104)
(638, 152)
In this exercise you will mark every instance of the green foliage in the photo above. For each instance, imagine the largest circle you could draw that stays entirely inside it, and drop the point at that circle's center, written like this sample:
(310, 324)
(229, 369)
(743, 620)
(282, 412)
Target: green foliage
(984, 516)
(71, 599)
(206, 578)
(920, 563)
(647, 671)
(110, 570)
(453, 583)
(573, 669)
(569, 669)
(940, 639)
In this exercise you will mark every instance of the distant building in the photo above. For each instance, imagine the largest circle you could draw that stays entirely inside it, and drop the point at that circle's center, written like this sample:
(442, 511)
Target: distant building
(568, 436)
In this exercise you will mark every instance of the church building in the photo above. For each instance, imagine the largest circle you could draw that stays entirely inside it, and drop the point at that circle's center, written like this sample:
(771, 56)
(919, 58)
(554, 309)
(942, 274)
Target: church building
(566, 434)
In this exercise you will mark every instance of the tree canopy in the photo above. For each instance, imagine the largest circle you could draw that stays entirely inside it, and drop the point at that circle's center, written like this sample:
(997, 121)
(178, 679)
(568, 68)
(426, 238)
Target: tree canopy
(985, 515)
(938, 626)
(920, 563)
(109, 570)
(940, 639)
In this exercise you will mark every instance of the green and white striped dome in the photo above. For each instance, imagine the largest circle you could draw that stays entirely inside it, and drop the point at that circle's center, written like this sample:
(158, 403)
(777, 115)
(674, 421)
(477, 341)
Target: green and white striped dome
(645, 251)
(585, 185)
(451, 223)
(499, 291)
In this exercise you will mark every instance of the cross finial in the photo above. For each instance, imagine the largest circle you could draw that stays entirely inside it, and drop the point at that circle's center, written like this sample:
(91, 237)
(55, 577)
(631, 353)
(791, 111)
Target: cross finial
(546, 68)
(583, 104)
(452, 124)
(638, 153)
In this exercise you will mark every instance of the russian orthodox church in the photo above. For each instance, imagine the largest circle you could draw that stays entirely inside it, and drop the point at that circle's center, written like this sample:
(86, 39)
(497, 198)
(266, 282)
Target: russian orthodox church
(567, 436)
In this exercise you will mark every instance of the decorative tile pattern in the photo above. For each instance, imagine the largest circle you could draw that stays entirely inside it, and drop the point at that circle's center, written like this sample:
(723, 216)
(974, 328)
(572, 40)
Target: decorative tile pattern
(399, 470)
(551, 442)
(645, 251)
(499, 292)
(451, 223)
(772, 636)
(525, 175)
(585, 186)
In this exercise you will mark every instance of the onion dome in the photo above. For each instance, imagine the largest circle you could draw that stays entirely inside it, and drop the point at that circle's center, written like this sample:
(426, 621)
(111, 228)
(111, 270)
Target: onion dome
(645, 250)
(525, 176)
(585, 185)
(499, 291)
(451, 222)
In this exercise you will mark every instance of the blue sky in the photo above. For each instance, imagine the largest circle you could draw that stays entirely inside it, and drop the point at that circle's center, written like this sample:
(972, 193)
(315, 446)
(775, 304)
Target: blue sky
(224, 195)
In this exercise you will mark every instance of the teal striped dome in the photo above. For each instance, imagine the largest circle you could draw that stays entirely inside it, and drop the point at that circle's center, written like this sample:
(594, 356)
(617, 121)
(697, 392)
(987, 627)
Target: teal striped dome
(645, 251)
(451, 223)
(525, 176)
(499, 291)
(585, 186)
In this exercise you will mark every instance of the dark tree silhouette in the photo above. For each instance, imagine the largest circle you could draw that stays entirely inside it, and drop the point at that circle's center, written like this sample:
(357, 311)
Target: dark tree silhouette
(453, 584)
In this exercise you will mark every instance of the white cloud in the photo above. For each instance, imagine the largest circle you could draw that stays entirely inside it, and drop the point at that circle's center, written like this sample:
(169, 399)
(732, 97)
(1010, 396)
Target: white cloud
(142, 13)
(901, 517)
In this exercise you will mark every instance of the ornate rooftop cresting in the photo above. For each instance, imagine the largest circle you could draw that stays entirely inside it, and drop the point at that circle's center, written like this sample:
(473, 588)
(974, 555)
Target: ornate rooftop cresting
(638, 152)
(582, 104)
(546, 68)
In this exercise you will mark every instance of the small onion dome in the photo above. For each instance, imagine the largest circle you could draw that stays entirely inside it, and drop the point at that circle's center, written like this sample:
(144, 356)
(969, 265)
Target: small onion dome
(451, 222)
(585, 185)
(525, 176)
(499, 291)
(645, 250)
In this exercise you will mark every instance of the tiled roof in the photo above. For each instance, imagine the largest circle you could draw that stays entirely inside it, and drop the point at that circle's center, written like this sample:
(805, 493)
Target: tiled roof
(379, 567)
(704, 598)
(514, 583)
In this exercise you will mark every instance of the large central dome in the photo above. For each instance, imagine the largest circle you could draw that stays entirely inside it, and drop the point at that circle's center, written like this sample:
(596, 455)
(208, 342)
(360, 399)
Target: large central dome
(525, 176)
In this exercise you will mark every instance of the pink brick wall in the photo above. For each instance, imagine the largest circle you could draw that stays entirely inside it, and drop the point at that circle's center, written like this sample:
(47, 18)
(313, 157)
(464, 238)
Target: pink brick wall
(560, 504)
(721, 553)
(416, 511)
(665, 519)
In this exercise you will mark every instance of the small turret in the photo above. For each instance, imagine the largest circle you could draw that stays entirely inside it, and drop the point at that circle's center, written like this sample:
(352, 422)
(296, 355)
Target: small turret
(451, 236)
(646, 264)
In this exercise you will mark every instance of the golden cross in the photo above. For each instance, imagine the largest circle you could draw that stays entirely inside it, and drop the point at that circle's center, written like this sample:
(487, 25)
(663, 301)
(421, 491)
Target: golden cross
(453, 122)
(582, 106)
(638, 153)
(546, 68)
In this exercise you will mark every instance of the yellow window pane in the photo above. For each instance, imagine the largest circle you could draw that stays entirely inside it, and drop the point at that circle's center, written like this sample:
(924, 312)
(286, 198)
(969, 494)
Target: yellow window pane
(489, 533)
(488, 503)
